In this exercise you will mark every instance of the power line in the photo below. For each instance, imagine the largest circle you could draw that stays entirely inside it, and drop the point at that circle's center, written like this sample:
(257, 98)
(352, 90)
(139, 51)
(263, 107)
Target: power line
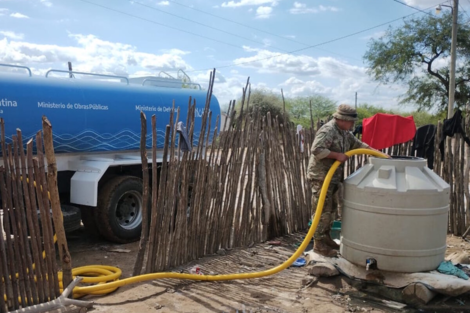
(415, 8)
(257, 29)
(464, 11)
(260, 59)
(176, 28)
(309, 47)
(205, 25)
(161, 24)
(235, 22)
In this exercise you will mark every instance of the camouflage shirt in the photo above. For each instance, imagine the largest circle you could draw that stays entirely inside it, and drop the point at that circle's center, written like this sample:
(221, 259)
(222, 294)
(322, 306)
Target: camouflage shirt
(330, 138)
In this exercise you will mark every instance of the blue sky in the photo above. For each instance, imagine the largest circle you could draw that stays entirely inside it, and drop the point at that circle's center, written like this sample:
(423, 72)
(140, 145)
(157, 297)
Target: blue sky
(240, 38)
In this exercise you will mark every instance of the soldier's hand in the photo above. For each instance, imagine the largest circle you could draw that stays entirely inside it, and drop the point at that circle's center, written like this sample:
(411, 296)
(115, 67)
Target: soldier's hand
(342, 157)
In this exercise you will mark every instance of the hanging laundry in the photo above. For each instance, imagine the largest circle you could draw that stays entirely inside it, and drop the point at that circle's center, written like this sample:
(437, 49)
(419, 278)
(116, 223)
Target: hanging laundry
(184, 143)
(357, 130)
(385, 130)
(423, 143)
(452, 126)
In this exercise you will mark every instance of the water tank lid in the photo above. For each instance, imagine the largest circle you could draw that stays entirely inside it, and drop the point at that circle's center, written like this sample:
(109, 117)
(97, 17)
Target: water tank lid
(401, 174)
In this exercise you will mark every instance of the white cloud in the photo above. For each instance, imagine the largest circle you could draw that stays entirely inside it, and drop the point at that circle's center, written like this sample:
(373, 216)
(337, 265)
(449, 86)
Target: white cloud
(225, 88)
(292, 81)
(271, 62)
(46, 3)
(301, 8)
(3, 11)
(12, 35)
(263, 12)
(326, 76)
(423, 4)
(163, 3)
(18, 15)
(175, 51)
(333, 68)
(234, 4)
(91, 54)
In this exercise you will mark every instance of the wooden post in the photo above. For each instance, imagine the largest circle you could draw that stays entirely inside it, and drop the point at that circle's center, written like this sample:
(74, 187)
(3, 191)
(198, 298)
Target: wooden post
(466, 182)
(145, 216)
(43, 203)
(31, 217)
(10, 269)
(64, 254)
(17, 242)
(41, 268)
(4, 275)
(18, 199)
(462, 187)
(153, 223)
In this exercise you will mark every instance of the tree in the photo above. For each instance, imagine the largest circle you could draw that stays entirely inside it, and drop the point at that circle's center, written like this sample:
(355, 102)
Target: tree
(299, 108)
(365, 110)
(417, 54)
(264, 101)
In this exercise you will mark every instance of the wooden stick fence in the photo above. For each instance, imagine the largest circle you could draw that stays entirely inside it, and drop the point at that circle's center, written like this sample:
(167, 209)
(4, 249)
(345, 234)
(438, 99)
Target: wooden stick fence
(27, 276)
(229, 191)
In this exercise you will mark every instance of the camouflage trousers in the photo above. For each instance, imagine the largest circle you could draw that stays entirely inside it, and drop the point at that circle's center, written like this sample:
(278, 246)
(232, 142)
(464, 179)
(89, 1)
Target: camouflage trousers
(329, 209)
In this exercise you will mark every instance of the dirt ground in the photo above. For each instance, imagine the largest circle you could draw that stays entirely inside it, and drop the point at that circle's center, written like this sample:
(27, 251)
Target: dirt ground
(282, 292)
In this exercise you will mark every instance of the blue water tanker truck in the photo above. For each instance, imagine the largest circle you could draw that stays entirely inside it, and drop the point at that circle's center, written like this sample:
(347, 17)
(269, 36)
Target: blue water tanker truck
(96, 131)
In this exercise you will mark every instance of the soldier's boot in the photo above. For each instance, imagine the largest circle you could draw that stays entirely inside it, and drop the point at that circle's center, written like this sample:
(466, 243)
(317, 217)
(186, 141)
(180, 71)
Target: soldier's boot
(330, 242)
(320, 247)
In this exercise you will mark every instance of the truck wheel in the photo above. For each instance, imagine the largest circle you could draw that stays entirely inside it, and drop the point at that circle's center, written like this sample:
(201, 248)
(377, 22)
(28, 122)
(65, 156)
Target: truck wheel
(71, 218)
(119, 213)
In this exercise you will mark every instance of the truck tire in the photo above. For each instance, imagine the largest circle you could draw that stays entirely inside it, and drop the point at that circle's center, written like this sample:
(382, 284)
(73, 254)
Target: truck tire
(119, 212)
(71, 218)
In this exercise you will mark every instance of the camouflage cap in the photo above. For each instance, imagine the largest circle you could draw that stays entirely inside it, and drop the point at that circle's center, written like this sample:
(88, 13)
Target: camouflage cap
(346, 113)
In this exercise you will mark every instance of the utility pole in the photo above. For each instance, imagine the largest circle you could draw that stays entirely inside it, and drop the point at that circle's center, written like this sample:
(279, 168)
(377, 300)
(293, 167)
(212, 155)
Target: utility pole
(356, 100)
(453, 50)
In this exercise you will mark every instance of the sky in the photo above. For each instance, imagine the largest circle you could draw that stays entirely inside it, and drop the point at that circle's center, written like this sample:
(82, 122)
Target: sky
(303, 47)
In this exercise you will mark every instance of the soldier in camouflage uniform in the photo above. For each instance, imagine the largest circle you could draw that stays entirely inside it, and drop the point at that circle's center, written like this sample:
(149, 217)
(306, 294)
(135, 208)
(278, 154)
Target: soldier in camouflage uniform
(332, 140)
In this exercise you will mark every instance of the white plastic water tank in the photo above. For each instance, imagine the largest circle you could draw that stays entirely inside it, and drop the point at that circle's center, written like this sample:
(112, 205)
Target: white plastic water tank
(395, 212)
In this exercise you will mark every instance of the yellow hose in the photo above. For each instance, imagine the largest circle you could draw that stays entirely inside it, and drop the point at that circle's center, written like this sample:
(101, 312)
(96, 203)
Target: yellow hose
(107, 277)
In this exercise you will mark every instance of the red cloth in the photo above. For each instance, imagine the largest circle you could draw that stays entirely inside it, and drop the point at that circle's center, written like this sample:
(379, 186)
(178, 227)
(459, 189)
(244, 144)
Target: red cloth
(385, 130)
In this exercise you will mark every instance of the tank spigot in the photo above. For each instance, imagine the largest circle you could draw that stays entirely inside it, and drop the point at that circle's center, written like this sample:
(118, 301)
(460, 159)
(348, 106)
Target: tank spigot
(370, 262)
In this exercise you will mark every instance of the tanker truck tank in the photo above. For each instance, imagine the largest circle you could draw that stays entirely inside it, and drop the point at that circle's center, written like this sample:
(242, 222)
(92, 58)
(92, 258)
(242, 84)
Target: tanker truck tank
(96, 133)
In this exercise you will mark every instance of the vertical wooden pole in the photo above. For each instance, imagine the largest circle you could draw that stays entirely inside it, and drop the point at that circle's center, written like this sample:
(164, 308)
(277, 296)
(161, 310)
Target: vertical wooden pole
(26, 258)
(4, 275)
(145, 177)
(12, 289)
(43, 201)
(31, 215)
(153, 224)
(17, 232)
(64, 254)
(13, 284)
(41, 267)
